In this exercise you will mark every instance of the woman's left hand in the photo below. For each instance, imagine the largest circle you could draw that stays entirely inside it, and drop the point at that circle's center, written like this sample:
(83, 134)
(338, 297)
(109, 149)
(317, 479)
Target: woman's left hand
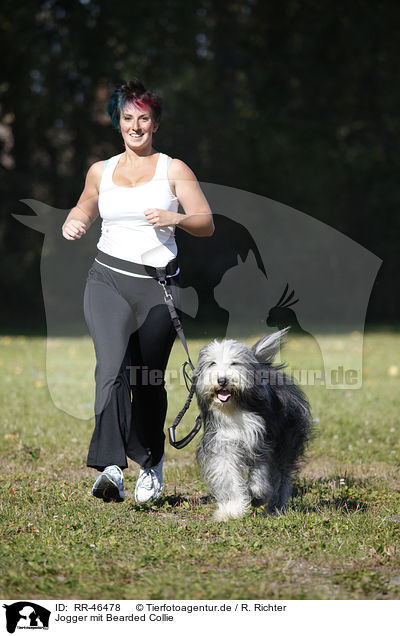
(161, 218)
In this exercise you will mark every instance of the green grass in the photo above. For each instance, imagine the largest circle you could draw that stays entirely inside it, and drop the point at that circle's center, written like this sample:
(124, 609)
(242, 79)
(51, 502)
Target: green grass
(338, 540)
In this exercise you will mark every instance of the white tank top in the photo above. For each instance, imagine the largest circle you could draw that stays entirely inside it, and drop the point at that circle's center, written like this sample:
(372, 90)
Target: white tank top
(125, 231)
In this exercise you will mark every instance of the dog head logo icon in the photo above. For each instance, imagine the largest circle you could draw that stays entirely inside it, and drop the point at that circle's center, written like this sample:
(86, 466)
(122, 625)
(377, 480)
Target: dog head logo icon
(25, 614)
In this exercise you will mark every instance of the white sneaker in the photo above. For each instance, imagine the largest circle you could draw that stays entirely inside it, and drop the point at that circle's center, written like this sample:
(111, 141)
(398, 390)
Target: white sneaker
(150, 483)
(109, 486)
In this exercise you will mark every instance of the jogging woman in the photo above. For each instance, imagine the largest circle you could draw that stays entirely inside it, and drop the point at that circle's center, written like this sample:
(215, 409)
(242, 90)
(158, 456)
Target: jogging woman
(136, 194)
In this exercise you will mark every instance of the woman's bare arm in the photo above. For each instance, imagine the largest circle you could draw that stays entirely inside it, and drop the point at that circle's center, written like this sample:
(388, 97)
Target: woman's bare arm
(86, 210)
(197, 219)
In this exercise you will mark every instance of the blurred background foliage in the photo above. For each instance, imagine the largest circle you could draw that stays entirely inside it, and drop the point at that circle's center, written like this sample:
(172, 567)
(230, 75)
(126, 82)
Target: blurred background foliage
(295, 100)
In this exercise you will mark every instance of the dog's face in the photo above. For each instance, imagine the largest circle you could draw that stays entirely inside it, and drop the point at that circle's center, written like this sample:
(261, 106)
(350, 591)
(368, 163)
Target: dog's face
(224, 371)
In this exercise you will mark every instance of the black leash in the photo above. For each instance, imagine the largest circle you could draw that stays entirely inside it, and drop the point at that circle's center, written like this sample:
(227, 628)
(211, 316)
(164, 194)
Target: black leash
(188, 438)
(160, 274)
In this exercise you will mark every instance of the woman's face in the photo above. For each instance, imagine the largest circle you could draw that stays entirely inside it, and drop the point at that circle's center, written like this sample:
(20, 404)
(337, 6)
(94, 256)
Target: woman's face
(137, 126)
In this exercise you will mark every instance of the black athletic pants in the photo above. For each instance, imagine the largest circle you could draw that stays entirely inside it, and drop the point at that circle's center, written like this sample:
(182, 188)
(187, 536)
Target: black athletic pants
(133, 334)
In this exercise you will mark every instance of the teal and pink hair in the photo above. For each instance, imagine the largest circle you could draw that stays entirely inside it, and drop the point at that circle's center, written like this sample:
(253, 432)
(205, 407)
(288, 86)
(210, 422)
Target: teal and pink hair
(133, 92)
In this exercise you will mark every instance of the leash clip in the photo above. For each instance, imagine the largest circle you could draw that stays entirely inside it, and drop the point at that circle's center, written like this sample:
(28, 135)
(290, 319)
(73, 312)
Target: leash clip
(163, 284)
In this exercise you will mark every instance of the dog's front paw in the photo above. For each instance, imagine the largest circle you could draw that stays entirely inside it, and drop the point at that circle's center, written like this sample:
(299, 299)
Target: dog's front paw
(234, 509)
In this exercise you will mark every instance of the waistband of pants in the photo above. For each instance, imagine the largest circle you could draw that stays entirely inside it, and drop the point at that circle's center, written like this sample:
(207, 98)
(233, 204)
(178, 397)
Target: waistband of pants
(172, 267)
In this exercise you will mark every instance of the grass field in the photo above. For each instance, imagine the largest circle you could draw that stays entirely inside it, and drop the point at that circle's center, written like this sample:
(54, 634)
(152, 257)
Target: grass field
(338, 540)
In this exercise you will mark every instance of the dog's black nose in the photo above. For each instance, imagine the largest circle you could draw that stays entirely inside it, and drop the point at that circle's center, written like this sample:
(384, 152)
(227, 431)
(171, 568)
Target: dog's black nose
(222, 380)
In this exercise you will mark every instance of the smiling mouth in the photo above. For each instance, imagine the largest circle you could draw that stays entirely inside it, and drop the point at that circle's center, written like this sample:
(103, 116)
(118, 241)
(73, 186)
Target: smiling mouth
(223, 395)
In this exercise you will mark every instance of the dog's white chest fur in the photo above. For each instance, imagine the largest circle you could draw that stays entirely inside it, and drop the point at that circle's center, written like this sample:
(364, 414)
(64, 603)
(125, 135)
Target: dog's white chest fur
(233, 426)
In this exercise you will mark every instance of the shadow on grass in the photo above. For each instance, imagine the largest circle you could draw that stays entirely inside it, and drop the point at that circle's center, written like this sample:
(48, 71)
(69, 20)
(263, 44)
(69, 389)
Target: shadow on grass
(179, 501)
(338, 493)
(308, 496)
(343, 505)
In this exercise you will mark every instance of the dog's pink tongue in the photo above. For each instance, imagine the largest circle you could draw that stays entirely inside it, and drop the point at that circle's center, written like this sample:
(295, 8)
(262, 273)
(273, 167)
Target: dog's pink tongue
(224, 395)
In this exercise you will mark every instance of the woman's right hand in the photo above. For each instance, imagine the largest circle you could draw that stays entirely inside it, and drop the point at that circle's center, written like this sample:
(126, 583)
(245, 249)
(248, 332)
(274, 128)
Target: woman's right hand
(73, 229)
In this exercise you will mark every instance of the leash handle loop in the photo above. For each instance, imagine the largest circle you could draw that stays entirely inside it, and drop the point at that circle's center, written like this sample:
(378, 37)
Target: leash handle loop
(188, 438)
